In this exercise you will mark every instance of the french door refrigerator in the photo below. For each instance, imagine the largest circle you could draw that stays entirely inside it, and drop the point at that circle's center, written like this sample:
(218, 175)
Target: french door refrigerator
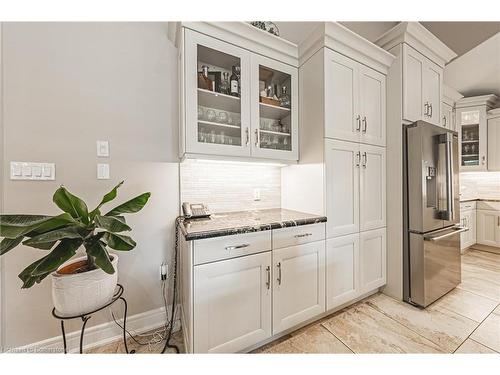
(431, 256)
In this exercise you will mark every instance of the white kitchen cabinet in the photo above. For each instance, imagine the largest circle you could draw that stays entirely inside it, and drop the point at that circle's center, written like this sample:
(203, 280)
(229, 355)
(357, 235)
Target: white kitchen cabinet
(494, 140)
(355, 186)
(232, 304)
(422, 87)
(298, 284)
(372, 187)
(342, 270)
(447, 117)
(372, 250)
(355, 101)
(468, 220)
(342, 161)
(488, 227)
(471, 117)
(241, 125)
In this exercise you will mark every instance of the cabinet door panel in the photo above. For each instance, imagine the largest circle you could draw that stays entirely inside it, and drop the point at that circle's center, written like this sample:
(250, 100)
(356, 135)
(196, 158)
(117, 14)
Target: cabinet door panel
(342, 270)
(494, 144)
(299, 284)
(372, 188)
(205, 132)
(341, 97)
(488, 231)
(232, 308)
(342, 187)
(372, 106)
(447, 117)
(433, 78)
(372, 260)
(413, 67)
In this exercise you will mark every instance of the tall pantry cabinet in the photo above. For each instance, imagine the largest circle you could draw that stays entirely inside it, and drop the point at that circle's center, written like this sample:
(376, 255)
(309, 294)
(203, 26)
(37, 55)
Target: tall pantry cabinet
(414, 92)
(342, 100)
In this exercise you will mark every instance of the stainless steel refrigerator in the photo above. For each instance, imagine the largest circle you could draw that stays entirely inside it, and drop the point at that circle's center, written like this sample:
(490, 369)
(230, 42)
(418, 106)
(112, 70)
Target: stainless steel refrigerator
(431, 256)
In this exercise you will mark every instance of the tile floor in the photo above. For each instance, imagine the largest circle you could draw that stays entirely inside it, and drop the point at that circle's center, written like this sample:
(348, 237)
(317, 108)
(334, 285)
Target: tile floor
(466, 320)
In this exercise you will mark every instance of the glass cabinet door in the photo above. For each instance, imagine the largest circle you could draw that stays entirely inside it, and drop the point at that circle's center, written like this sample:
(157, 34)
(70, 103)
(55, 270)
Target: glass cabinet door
(217, 96)
(274, 103)
(473, 139)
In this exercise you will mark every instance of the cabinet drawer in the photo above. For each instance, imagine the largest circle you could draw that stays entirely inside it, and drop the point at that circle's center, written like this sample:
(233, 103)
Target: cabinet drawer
(468, 206)
(488, 205)
(219, 248)
(298, 235)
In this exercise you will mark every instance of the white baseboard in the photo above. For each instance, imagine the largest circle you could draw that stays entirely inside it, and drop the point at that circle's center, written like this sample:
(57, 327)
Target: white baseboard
(99, 335)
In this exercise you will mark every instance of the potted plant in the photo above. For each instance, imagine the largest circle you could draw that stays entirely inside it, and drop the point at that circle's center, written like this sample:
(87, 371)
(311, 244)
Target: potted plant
(86, 283)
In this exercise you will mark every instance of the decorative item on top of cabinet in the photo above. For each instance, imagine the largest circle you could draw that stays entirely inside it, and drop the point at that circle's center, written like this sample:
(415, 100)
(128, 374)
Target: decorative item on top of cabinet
(472, 122)
(494, 140)
(232, 119)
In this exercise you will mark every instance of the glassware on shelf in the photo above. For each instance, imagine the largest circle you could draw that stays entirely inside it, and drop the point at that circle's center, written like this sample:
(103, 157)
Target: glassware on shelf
(222, 138)
(284, 98)
(224, 85)
(213, 136)
(466, 149)
(474, 149)
(210, 115)
(201, 112)
(222, 117)
(203, 81)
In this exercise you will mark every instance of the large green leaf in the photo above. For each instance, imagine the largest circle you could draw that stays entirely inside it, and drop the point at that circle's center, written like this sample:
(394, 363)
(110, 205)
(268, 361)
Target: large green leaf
(98, 250)
(50, 237)
(119, 241)
(27, 277)
(71, 204)
(113, 224)
(134, 205)
(9, 243)
(61, 253)
(107, 198)
(14, 226)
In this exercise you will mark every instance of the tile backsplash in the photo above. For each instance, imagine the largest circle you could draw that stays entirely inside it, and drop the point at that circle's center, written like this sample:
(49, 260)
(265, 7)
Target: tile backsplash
(229, 186)
(480, 185)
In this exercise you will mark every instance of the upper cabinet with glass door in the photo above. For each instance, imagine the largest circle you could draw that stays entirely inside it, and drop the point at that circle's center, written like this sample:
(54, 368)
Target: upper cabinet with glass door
(473, 131)
(237, 103)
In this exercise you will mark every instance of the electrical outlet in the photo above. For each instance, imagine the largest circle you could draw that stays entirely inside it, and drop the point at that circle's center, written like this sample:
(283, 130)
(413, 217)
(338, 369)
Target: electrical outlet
(163, 271)
(256, 194)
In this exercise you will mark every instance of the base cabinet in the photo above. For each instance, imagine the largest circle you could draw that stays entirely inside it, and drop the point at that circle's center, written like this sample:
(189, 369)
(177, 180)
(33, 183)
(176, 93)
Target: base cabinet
(232, 308)
(355, 264)
(488, 227)
(298, 284)
(468, 220)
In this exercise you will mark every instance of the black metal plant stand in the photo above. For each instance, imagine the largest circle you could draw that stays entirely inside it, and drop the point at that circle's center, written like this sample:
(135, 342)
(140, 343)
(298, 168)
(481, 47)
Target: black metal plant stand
(85, 317)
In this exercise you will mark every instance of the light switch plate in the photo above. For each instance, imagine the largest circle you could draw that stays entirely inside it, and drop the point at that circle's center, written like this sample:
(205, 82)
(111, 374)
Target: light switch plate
(103, 171)
(22, 170)
(103, 148)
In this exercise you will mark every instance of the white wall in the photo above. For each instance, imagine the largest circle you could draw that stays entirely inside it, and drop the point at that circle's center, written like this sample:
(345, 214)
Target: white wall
(65, 86)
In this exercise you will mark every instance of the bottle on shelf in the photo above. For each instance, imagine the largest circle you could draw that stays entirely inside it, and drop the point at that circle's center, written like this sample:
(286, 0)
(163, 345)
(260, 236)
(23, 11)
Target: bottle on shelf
(224, 85)
(284, 98)
(234, 83)
(203, 81)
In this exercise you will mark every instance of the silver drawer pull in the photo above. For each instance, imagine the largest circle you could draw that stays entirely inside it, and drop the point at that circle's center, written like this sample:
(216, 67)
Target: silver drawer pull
(455, 231)
(279, 273)
(237, 246)
(268, 280)
(303, 235)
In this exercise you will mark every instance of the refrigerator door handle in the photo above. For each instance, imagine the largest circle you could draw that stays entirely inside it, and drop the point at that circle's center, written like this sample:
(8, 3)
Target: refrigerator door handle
(440, 237)
(450, 214)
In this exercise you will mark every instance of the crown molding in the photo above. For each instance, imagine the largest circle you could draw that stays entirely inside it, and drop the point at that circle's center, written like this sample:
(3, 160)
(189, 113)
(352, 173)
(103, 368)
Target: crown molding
(419, 38)
(487, 100)
(342, 40)
(243, 35)
(450, 95)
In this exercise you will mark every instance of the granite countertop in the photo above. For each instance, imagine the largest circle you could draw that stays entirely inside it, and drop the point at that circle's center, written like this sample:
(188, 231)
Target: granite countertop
(479, 199)
(229, 223)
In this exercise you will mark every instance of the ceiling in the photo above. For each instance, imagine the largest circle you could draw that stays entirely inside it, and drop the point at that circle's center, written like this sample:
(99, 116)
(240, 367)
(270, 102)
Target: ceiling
(476, 69)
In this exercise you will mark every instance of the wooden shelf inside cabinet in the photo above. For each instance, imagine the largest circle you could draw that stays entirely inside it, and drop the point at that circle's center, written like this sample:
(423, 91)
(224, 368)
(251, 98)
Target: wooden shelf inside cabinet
(212, 99)
(273, 111)
(275, 133)
(211, 123)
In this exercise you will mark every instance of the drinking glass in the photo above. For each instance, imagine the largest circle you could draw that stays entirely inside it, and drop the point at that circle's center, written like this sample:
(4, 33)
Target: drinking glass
(222, 117)
(210, 114)
(200, 112)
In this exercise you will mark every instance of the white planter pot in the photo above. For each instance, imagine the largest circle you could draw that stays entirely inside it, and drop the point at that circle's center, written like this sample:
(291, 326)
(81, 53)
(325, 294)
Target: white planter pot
(79, 293)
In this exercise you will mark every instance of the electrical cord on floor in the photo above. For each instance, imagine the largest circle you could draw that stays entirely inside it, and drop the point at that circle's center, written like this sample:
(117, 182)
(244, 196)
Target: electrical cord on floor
(174, 299)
